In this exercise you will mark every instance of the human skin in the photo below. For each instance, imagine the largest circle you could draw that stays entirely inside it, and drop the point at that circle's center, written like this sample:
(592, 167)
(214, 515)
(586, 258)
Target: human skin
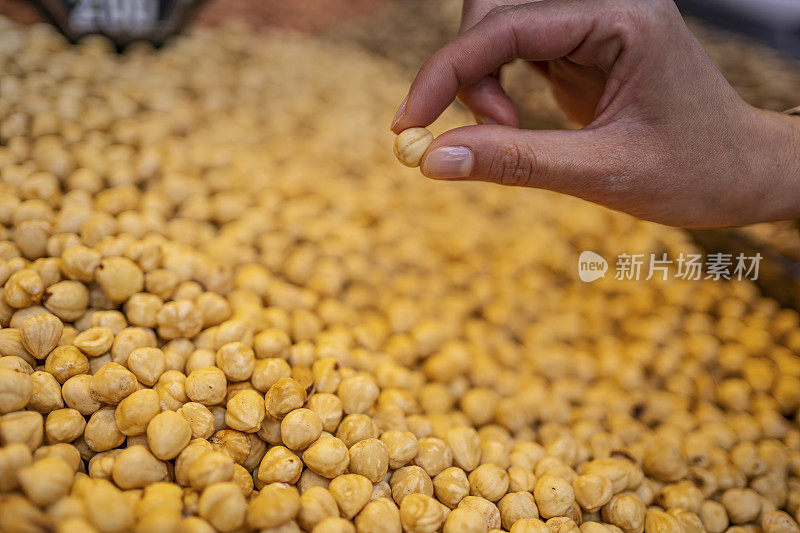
(665, 137)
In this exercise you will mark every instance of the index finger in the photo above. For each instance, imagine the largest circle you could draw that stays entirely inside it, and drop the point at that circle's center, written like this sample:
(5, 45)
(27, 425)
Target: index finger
(538, 31)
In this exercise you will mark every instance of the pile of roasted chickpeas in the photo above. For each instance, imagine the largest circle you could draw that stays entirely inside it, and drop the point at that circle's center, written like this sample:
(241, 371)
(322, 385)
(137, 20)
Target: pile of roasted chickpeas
(225, 307)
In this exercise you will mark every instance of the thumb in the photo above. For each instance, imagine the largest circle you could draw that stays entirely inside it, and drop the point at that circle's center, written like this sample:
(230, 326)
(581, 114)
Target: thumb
(582, 163)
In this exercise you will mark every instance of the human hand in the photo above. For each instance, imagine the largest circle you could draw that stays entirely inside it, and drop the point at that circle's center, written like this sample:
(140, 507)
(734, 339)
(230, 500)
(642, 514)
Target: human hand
(666, 137)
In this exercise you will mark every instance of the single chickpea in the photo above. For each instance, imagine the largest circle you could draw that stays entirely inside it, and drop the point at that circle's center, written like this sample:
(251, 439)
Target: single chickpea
(234, 330)
(300, 428)
(161, 282)
(410, 145)
(77, 394)
(21, 315)
(743, 505)
(268, 371)
(16, 390)
(142, 308)
(516, 506)
(46, 393)
(665, 462)
(245, 411)
(46, 480)
(213, 308)
(328, 408)
(111, 511)
(592, 491)
(136, 467)
(128, 340)
(465, 520)
(402, 447)
(409, 480)
(283, 397)
(327, 457)
(66, 452)
(40, 334)
(309, 479)
(64, 425)
(235, 443)
(379, 515)
(495, 452)
(714, 516)
(624, 511)
(65, 362)
(684, 495)
(688, 520)
(12, 458)
(316, 504)
(244, 479)
(358, 427)
(777, 521)
(119, 277)
(67, 299)
(237, 360)
(206, 385)
(23, 289)
(271, 342)
(420, 513)
(199, 358)
(466, 447)
(358, 394)
(179, 318)
(370, 458)
(209, 468)
(280, 465)
(200, 419)
(11, 344)
(147, 364)
(276, 504)
(101, 431)
(451, 486)
(746, 457)
(195, 524)
(135, 412)
(326, 374)
(94, 341)
(521, 479)
(562, 524)
(80, 263)
(176, 352)
(112, 383)
(488, 481)
(113, 320)
(167, 434)
(223, 505)
(351, 492)
(554, 496)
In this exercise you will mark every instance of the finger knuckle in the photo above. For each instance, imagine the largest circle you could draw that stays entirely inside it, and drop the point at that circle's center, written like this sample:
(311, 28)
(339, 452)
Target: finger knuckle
(641, 14)
(501, 11)
(513, 165)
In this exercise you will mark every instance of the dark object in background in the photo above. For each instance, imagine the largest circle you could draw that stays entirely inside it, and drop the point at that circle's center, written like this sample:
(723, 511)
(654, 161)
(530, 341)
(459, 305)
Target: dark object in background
(774, 22)
(122, 21)
(779, 274)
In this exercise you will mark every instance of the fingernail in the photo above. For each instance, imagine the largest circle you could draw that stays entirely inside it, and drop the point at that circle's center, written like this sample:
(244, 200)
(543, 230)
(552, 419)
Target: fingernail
(484, 120)
(400, 111)
(448, 162)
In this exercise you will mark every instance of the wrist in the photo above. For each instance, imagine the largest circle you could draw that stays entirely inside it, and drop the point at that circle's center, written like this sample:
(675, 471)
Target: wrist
(774, 150)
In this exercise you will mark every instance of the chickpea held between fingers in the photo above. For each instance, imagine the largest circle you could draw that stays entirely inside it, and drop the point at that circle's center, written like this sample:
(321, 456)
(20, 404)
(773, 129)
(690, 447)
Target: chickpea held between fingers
(410, 145)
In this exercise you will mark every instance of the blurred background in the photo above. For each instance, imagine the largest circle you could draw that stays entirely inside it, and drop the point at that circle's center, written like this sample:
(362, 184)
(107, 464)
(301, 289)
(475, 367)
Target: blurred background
(756, 44)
